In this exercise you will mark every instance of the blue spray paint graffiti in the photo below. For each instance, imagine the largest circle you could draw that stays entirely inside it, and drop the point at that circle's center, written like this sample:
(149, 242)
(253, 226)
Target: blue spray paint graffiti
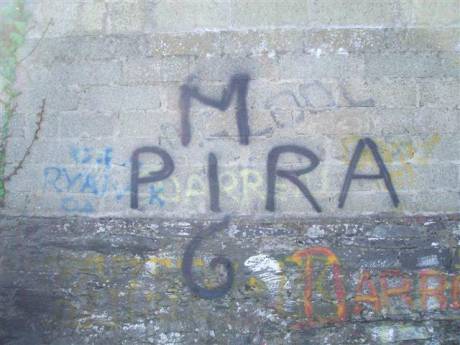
(155, 196)
(70, 204)
(86, 155)
(91, 177)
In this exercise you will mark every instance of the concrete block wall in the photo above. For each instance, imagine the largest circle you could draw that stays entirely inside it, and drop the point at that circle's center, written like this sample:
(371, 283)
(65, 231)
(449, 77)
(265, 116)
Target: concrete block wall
(232, 172)
(323, 74)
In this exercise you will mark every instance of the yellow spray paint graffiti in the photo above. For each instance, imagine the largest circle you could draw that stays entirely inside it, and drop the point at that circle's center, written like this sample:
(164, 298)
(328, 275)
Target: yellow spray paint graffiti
(400, 154)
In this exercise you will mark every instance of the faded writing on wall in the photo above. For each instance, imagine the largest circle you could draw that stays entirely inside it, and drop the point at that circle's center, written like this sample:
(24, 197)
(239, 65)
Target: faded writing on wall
(310, 287)
(92, 176)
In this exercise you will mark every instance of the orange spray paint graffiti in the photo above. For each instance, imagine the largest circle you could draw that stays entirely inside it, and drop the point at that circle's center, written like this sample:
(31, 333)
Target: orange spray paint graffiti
(403, 291)
(331, 260)
(438, 292)
(456, 292)
(371, 298)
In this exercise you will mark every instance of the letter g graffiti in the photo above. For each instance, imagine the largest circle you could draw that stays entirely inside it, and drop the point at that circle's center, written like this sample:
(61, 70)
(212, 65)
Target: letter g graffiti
(187, 265)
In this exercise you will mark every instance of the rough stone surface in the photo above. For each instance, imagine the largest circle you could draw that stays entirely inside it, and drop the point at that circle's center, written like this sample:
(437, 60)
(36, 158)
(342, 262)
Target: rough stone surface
(120, 281)
(82, 263)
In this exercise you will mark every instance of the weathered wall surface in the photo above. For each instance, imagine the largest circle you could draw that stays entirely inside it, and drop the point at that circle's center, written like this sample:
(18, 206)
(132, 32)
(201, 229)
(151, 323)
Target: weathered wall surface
(327, 129)
(109, 281)
(317, 74)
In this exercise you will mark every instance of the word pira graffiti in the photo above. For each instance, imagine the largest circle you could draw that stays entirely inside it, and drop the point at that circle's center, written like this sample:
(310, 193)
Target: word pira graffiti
(273, 171)
(238, 86)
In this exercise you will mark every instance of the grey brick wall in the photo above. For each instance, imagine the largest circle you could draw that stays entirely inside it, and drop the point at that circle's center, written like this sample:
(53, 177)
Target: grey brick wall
(323, 74)
(317, 78)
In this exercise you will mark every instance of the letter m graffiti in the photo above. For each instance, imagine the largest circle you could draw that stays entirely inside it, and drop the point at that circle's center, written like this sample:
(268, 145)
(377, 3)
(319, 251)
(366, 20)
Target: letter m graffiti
(237, 88)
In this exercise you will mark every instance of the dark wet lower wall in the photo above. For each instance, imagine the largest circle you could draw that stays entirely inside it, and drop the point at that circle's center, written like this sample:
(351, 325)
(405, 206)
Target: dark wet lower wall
(229, 281)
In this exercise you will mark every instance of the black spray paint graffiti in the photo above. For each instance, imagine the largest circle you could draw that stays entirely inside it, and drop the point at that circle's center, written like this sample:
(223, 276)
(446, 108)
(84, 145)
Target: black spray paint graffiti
(272, 173)
(154, 176)
(213, 181)
(318, 95)
(238, 84)
(291, 175)
(383, 172)
(313, 95)
(215, 292)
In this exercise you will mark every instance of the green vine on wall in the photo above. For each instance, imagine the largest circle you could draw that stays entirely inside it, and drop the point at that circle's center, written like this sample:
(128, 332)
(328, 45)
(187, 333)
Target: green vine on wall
(13, 30)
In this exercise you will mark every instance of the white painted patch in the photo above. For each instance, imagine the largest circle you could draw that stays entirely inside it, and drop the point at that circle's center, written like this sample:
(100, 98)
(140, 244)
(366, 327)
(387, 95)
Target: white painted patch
(315, 231)
(457, 48)
(151, 267)
(383, 334)
(387, 334)
(428, 261)
(316, 52)
(233, 231)
(266, 315)
(134, 327)
(170, 338)
(382, 263)
(266, 269)
(342, 51)
(457, 231)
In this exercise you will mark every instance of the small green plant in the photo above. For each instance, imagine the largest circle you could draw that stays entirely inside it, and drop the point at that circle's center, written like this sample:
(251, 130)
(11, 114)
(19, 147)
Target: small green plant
(13, 29)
